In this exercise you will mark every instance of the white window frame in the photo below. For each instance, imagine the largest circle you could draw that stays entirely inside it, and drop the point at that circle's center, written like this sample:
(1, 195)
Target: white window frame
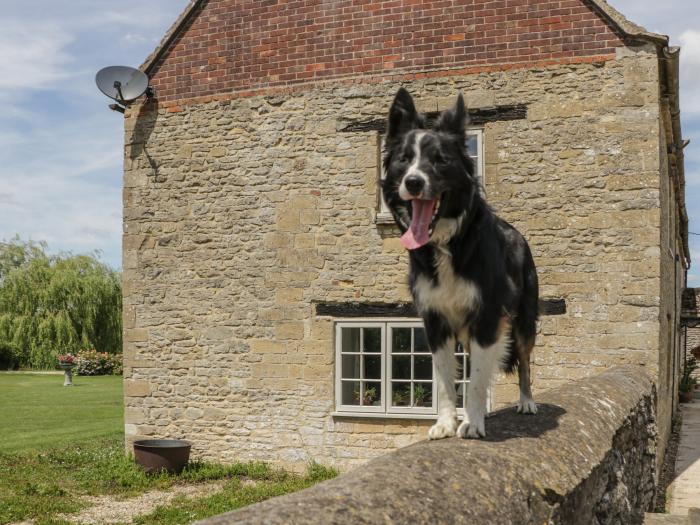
(385, 408)
(383, 215)
(339, 368)
(464, 381)
(479, 164)
(391, 409)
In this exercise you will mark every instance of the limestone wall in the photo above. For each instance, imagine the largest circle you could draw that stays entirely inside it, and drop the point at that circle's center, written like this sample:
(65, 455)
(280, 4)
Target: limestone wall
(693, 338)
(239, 214)
(690, 310)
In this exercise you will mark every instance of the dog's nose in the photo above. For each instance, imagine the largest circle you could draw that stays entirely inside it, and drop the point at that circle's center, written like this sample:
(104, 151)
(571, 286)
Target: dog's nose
(414, 184)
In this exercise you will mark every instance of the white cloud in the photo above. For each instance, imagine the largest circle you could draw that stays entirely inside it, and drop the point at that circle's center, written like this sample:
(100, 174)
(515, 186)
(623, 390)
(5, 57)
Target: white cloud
(142, 15)
(7, 198)
(693, 275)
(33, 54)
(690, 72)
(135, 38)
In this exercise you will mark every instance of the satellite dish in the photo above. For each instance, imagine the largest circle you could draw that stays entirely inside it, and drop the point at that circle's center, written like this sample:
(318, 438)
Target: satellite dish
(123, 84)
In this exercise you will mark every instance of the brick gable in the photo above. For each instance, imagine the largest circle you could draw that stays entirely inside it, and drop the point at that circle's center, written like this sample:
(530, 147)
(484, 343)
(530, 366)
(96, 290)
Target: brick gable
(241, 45)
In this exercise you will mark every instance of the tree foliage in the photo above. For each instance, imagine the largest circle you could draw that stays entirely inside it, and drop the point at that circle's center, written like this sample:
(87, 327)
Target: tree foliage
(55, 304)
(15, 254)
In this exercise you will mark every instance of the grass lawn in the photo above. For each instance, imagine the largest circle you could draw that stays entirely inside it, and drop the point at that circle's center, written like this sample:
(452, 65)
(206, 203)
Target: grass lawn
(38, 412)
(60, 444)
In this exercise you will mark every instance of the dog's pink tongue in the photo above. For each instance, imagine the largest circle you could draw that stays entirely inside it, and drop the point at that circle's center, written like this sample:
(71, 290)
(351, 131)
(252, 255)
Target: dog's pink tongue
(417, 235)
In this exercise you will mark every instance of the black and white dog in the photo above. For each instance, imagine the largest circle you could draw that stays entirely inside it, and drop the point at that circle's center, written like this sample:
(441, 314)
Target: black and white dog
(472, 275)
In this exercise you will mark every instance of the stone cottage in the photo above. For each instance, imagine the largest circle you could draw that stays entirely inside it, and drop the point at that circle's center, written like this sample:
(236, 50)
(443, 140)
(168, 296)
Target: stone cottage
(266, 312)
(690, 322)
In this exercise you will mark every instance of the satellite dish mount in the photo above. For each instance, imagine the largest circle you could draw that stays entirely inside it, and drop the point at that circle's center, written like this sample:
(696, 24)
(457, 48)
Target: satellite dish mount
(123, 84)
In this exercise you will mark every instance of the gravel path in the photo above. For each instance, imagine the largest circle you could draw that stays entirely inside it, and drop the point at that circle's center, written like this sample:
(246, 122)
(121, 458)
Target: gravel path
(106, 509)
(685, 493)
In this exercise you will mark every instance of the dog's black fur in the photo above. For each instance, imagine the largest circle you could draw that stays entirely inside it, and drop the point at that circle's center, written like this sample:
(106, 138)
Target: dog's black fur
(482, 249)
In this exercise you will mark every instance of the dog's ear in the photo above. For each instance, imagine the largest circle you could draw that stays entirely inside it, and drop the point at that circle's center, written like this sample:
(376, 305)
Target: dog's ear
(403, 116)
(453, 120)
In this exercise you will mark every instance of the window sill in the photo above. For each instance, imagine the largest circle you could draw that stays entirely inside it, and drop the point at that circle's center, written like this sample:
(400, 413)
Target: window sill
(382, 415)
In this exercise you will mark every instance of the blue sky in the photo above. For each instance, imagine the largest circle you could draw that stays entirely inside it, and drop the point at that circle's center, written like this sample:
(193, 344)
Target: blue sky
(61, 155)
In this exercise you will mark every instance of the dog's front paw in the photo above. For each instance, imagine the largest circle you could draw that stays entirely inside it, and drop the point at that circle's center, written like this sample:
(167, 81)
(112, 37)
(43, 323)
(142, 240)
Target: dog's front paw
(469, 430)
(444, 428)
(527, 405)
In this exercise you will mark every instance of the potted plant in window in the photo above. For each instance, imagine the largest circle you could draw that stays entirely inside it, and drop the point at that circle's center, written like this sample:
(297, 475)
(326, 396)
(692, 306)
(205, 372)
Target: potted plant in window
(400, 398)
(687, 382)
(67, 362)
(370, 395)
(420, 395)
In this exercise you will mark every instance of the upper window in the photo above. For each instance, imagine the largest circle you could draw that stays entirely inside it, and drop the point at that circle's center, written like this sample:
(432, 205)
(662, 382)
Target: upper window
(475, 150)
(386, 368)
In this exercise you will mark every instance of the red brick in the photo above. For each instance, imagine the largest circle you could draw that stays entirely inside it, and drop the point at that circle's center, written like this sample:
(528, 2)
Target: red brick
(456, 37)
(235, 46)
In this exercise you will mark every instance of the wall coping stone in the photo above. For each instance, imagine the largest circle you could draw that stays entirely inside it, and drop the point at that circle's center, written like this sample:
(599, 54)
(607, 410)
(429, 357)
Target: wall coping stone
(588, 456)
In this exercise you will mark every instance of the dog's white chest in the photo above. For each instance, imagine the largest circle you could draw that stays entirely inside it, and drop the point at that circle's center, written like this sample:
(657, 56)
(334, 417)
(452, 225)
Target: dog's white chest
(452, 296)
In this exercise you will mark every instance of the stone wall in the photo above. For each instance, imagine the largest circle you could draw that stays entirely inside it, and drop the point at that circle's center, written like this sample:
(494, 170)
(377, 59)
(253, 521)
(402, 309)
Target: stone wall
(693, 338)
(690, 305)
(691, 311)
(240, 214)
(588, 457)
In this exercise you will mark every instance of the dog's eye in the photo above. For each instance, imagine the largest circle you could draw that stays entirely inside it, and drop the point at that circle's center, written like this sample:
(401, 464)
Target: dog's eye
(442, 160)
(404, 158)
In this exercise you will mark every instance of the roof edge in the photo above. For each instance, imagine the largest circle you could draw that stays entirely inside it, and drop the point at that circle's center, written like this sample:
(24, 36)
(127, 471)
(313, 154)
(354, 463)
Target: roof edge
(628, 27)
(170, 35)
(671, 57)
(618, 20)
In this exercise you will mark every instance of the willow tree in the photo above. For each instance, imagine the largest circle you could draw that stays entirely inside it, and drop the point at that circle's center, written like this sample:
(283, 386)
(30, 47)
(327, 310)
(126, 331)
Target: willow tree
(51, 305)
(16, 253)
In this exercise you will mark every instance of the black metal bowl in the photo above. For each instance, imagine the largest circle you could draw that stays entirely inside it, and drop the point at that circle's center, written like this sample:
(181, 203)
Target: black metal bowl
(155, 455)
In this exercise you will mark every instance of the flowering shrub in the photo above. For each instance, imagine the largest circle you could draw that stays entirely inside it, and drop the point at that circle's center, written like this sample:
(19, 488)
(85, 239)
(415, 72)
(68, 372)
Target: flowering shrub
(94, 363)
(91, 363)
(117, 364)
(66, 359)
